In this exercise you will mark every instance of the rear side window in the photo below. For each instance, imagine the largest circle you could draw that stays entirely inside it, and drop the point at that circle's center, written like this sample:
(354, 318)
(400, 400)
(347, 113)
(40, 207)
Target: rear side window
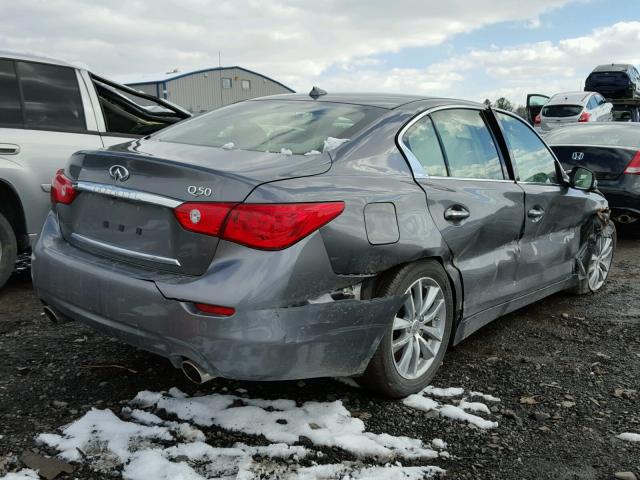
(468, 145)
(10, 109)
(531, 156)
(560, 111)
(275, 126)
(51, 97)
(421, 139)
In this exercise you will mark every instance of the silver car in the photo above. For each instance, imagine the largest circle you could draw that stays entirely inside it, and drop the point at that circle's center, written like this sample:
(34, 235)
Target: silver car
(573, 107)
(48, 110)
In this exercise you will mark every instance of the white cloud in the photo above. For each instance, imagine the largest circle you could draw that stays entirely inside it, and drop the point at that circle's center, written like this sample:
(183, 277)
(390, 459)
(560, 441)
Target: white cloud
(292, 41)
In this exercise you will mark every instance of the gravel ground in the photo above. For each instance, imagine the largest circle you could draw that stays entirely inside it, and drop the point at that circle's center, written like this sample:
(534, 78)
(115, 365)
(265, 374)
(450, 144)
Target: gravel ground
(567, 371)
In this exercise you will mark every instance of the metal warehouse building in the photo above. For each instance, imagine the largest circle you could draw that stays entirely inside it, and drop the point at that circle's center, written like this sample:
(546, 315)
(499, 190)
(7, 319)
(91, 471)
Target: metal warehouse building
(208, 89)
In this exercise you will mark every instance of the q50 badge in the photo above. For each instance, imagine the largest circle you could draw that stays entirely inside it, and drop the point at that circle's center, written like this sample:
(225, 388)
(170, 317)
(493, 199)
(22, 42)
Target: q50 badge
(199, 191)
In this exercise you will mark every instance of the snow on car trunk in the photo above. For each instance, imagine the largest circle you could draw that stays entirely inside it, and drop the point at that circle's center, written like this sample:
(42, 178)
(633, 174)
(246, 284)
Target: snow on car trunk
(169, 435)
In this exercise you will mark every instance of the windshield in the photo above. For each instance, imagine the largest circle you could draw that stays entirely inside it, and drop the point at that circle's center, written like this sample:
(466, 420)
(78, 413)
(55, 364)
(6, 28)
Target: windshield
(618, 135)
(276, 126)
(561, 110)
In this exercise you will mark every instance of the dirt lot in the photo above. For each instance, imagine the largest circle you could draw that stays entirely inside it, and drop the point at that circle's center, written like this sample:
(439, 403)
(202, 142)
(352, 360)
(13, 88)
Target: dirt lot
(567, 371)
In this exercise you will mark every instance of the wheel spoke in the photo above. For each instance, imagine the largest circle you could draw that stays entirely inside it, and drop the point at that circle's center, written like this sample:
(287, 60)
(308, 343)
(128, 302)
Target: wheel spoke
(409, 307)
(432, 293)
(416, 292)
(433, 312)
(431, 332)
(405, 359)
(416, 355)
(401, 342)
(427, 352)
(401, 324)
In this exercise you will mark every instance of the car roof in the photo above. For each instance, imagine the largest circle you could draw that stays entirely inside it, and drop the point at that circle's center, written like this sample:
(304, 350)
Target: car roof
(570, 98)
(609, 134)
(613, 67)
(34, 57)
(381, 100)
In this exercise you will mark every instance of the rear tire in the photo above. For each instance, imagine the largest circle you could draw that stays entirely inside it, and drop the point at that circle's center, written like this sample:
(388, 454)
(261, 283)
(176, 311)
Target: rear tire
(403, 363)
(8, 250)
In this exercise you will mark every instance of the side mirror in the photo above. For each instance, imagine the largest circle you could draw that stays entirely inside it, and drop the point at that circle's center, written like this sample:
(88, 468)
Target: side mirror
(582, 179)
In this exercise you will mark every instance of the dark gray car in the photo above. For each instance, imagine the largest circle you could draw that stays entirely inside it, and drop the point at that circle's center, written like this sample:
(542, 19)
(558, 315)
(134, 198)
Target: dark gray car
(304, 236)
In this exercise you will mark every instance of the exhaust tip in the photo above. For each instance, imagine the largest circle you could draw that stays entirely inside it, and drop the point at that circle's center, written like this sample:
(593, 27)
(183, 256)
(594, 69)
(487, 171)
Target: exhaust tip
(195, 373)
(50, 314)
(624, 218)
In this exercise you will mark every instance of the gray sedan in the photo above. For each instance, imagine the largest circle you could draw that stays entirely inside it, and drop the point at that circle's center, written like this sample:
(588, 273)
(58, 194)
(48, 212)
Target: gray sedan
(303, 236)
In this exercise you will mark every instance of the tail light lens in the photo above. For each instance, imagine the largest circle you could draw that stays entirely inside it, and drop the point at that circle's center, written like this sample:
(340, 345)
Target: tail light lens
(537, 120)
(62, 190)
(207, 218)
(261, 226)
(584, 117)
(634, 166)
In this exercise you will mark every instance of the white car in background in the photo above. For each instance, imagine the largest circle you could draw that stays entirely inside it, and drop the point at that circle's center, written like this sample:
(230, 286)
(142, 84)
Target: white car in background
(573, 107)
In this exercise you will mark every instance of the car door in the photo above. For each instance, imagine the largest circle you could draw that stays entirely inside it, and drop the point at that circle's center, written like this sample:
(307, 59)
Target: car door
(45, 125)
(476, 207)
(535, 102)
(551, 233)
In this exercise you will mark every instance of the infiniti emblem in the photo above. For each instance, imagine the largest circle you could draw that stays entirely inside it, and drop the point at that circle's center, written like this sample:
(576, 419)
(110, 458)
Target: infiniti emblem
(119, 173)
(577, 156)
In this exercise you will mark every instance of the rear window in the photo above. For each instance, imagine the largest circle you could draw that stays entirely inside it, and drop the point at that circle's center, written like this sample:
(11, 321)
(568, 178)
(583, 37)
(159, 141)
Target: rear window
(288, 127)
(619, 135)
(561, 110)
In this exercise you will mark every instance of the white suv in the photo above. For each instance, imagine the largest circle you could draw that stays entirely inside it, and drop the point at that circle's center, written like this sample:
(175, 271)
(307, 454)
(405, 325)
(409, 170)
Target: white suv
(50, 109)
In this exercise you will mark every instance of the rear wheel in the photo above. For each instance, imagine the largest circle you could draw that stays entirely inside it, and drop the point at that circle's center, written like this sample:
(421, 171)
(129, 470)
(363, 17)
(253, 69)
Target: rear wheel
(599, 258)
(8, 250)
(414, 345)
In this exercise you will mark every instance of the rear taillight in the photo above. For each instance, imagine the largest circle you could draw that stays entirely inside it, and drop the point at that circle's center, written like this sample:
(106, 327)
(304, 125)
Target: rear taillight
(537, 120)
(584, 117)
(215, 309)
(634, 166)
(207, 218)
(256, 225)
(62, 190)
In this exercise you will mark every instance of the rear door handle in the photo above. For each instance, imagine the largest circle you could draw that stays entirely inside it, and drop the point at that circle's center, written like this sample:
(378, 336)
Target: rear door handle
(455, 213)
(536, 213)
(9, 149)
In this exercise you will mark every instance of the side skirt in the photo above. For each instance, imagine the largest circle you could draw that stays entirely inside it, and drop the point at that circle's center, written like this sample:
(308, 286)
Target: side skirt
(470, 325)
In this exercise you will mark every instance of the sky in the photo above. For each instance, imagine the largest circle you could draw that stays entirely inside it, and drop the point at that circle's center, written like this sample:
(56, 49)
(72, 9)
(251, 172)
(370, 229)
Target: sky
(472, 49)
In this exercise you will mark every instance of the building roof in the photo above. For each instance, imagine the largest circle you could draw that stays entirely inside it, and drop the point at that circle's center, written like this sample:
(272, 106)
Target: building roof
(36, 57)
(382, 100)
(151, 78)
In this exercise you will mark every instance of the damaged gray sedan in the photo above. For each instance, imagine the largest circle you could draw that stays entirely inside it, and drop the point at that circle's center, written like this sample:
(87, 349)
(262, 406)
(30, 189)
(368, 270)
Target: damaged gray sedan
(305, 236)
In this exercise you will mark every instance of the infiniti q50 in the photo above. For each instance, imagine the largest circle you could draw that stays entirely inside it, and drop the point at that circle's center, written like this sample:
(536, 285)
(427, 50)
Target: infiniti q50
(303, 236)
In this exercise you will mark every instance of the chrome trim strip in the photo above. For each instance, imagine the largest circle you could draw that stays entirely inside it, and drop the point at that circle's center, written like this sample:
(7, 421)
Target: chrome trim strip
(124, 251)
(616, 147)
(505, 180)
(127, 194)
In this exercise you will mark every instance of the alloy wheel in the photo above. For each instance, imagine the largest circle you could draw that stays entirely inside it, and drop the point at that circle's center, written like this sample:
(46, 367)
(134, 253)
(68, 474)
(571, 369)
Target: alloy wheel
(600, 262)
(418, 328)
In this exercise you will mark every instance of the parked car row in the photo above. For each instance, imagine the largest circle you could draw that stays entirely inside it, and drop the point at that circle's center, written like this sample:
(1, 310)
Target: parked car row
(50, 109)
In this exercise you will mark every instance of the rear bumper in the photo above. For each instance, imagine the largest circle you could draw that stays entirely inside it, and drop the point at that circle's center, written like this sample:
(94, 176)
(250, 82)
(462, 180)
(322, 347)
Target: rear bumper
(256, 343)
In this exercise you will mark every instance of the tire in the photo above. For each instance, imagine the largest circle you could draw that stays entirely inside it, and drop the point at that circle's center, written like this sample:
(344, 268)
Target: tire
(8, 250)
(600, 232)
(384, 373)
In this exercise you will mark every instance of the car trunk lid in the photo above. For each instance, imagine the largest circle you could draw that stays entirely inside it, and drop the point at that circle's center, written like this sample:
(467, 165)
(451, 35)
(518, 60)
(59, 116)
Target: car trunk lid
(608, 163)
(132, 219)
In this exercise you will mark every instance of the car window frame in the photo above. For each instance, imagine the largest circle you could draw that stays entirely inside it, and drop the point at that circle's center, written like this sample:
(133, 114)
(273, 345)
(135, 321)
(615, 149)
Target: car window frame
(417, 168)
(561, 175)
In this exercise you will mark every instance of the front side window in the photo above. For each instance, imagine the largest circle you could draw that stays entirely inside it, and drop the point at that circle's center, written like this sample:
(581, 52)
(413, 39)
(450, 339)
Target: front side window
(422, 140)
(287, 127)
(468, 145)
(51, 97)
(532, 158)
(10, 108)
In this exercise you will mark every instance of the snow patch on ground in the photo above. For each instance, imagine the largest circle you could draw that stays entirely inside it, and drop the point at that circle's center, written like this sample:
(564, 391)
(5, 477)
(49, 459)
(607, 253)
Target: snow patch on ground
(422, 402)
(629, 437)
(285, 151)
(229, 146)
(144, 444)
(24, 474)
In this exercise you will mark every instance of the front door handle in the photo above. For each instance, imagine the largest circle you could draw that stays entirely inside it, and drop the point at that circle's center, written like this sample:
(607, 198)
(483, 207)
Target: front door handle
(455, 213)
(536, 213)
(9, 149)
